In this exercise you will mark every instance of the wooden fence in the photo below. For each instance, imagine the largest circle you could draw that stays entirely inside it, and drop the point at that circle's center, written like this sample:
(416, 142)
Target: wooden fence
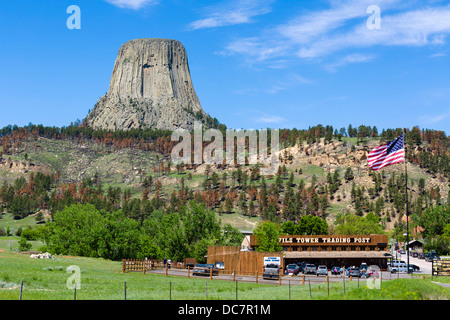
(136, 265)
(143, 266)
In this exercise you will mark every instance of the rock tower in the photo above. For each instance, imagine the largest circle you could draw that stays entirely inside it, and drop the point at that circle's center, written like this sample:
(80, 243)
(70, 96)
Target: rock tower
(150, 87)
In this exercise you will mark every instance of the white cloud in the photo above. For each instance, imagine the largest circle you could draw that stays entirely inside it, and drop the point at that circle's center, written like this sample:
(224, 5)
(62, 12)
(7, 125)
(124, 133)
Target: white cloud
(232, 14)
(415, 28)
(437, 55)
(292, 80)
(349, 59)
(319, 34)
(131, 4)
(433, 119)
(266, 119)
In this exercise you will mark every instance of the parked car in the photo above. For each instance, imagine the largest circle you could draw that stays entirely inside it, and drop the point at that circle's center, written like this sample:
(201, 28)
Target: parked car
(414, 254)
(322, 270)
(372, 271)
(335, 270)
(421, 256)
(293, 268)
(399, 267)
(309, 268)
(301, 266)
(354, 272)
(271, 271)
(432, 256)
(363, 266)
(204, 269)
(414, 267)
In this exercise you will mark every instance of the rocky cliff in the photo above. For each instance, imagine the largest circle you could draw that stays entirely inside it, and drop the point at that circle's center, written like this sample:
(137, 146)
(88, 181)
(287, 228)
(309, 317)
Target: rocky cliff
(150, 87)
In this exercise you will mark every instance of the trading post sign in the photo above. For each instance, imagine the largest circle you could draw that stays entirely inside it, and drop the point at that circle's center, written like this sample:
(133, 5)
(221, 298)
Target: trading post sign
(335, 240)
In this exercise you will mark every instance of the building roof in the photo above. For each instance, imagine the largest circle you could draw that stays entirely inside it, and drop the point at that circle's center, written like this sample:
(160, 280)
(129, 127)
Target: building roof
(337, 254)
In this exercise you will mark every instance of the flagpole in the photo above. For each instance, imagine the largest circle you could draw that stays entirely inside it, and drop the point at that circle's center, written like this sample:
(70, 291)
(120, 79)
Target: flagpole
(407, 206)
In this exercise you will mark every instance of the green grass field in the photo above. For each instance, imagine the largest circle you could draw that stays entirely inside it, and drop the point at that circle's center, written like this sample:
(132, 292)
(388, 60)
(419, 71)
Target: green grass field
(103, 280)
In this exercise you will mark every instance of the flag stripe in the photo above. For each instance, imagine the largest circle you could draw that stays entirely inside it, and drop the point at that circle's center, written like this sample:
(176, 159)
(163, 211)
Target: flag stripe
(386, 163)
(384, 158)
(377, 151)
(386, 154)
(387, 158)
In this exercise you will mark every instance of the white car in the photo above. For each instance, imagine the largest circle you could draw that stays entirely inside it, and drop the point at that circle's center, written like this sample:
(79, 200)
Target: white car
(399, 267)
(322, 270)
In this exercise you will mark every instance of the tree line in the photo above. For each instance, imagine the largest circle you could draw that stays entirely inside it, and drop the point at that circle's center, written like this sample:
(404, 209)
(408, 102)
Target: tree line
(82, 230)
(435, 157)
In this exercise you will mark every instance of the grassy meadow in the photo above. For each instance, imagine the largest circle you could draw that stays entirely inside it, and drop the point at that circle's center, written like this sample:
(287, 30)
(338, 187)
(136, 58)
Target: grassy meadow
(45, 279)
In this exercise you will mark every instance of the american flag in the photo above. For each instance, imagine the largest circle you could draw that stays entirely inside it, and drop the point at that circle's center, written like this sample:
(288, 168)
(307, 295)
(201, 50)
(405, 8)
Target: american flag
(387, 154)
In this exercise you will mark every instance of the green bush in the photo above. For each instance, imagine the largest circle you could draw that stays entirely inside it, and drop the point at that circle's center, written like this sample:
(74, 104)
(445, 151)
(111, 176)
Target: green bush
(24, 245)
(31, 234)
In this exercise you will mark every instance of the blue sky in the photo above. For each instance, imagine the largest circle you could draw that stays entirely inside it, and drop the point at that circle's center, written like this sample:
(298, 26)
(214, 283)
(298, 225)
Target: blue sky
(254, 63)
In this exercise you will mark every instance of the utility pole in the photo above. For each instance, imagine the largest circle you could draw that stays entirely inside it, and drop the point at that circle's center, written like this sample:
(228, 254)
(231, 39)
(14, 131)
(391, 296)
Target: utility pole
(407, 206)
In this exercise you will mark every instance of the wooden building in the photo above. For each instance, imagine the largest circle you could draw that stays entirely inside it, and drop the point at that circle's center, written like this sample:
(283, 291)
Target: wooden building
(329, 250)
(233, 259)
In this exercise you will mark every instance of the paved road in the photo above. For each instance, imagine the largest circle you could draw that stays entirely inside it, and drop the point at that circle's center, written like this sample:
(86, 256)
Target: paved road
(425, 266)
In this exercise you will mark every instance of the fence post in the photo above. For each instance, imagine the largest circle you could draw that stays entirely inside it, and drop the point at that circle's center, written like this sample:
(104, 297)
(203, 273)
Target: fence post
(381, 278)
(289, 289)
(343, 279)
(328, 286)
(432, 270)
(256, 277)
(189, 271)
(210, 273)
(279, 279)
(309, 281)
(21, 288)
(303, 280)
(234, 275)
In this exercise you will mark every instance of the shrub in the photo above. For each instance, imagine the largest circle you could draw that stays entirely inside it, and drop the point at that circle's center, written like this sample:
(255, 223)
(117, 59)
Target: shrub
(24, 245)
(19, 232)
(31, 234)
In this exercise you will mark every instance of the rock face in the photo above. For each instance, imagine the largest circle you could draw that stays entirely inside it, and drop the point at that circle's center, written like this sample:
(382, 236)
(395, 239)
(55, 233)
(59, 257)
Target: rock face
(150, 87)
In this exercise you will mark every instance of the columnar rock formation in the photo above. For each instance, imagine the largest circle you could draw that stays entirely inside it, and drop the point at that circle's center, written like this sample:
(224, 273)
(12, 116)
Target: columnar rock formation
(150, 87)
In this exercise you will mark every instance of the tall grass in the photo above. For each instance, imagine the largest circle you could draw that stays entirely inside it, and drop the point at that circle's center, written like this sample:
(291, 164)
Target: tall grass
(45, 279)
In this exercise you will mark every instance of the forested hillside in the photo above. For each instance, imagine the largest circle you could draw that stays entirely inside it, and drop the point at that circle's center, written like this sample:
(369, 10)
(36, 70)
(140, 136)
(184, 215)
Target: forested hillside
(323, 173)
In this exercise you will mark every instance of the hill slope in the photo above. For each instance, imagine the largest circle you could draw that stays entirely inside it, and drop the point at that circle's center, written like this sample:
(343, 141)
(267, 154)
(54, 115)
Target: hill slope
(320, 178)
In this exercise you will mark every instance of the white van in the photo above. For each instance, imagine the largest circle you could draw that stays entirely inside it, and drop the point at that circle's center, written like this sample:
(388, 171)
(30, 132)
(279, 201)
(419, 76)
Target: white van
(396, 263)
(398, 266)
